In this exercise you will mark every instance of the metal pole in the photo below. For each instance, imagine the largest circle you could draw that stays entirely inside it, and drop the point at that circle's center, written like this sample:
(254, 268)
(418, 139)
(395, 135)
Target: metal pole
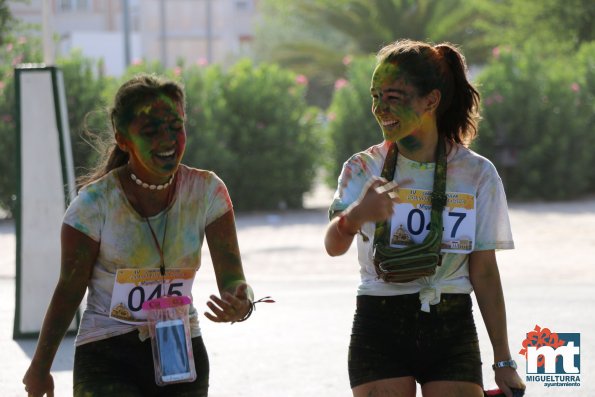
(163, 34)
(126, 25)
(209, 32)
(48, 43)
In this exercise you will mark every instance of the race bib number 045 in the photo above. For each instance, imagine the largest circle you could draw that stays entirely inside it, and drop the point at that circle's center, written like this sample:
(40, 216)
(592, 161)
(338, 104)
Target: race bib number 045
(133, 287)
(411, 220)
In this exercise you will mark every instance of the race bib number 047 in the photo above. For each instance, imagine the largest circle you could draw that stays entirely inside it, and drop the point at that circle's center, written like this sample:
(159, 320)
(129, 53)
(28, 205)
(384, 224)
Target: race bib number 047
(411, 220)
(133, 287)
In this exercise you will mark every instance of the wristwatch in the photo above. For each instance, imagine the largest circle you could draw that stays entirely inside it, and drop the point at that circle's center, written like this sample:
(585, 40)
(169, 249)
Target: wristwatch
(506, 363)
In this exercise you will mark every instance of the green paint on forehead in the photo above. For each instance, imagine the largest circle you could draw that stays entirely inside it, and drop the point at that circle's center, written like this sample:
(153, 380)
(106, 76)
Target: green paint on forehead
(145, 107)
(384, 71)
(387, 73)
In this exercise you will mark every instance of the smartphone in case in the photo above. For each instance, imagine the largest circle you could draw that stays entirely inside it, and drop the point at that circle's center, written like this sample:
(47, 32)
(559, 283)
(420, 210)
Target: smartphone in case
(172, 348)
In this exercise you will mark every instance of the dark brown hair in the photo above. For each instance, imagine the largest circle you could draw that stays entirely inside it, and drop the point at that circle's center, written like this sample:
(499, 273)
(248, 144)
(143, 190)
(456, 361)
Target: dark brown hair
(441, 66)
(138, 90)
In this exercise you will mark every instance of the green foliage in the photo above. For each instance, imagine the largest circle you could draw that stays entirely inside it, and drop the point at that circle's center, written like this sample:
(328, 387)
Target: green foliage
(251, 125)
(84, 86)
(15, 49)
(557, 25)
(8, 150)
(324, 32)
(6, 20)
(351, 127)
(538, 117)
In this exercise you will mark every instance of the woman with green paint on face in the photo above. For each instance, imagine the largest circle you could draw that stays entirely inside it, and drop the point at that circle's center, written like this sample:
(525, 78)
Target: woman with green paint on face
(134, 233)
(428, 214)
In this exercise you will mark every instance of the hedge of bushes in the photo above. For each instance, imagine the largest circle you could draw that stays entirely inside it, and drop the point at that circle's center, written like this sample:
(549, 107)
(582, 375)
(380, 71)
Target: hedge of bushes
(351, 126)
(250, 124)
(539, 120)
(537, 128)
(13, 50)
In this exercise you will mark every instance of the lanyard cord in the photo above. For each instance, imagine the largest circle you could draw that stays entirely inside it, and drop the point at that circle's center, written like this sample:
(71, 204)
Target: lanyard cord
(161, 247)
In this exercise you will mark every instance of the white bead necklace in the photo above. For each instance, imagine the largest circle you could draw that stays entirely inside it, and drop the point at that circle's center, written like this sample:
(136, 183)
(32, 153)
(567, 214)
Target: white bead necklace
(152, 187)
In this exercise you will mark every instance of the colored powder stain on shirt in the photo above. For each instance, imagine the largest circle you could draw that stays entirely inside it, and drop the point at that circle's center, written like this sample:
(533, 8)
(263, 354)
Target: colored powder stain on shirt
(222, 194)
(475, 175)
(101, 210)
(415, 165)
(362, 169)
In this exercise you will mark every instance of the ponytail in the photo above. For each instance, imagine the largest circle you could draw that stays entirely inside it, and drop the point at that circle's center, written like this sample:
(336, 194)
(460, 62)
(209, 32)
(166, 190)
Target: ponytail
(113, 156)
(458, 112)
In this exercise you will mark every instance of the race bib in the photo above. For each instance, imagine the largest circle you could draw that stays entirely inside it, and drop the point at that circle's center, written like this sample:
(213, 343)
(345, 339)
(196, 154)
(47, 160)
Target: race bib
(411, 220)
(133, 287)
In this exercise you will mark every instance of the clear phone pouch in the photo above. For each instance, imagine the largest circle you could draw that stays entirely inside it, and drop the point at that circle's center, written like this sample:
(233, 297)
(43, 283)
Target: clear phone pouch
(169, 328)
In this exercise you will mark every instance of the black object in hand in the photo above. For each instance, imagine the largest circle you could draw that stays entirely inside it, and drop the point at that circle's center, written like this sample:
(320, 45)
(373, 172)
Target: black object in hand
(500, 393)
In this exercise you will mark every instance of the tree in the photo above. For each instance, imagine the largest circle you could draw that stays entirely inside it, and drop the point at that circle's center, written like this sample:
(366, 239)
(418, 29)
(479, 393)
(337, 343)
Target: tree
(326, 32)
(14, 49)
(351, 126)
(85, 86)
(537, 121)
(558, 26)
(6, 20)
(252, 126)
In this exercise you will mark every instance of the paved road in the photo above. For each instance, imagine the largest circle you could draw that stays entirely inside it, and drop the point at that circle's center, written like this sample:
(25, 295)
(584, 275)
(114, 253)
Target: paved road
(297, 346)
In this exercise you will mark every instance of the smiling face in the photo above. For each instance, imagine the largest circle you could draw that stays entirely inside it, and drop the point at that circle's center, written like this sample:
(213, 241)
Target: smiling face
(155, 139)
(402, 114)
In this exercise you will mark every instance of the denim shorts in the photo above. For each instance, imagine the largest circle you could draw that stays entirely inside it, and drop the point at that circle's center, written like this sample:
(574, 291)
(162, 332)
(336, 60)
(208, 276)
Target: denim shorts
(123, 366)
(391, 337)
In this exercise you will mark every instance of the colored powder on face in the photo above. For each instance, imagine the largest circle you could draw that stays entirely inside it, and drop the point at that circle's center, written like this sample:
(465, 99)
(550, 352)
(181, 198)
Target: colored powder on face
(160, 120)
(393, 99)
(143, 109)
(411, 143)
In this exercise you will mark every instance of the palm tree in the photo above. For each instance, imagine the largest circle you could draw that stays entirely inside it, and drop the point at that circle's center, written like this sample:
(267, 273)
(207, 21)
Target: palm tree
(330, 30)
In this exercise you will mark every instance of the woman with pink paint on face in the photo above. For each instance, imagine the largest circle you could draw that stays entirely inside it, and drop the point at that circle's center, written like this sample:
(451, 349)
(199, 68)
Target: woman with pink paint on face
(141, 213)
(417, 325)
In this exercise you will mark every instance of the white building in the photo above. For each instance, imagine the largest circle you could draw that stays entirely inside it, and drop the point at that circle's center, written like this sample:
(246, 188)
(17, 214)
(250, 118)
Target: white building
(194, 31)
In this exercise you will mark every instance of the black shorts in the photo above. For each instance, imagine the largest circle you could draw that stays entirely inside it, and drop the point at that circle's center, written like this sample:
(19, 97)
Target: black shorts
(392, 337)
(123, 366)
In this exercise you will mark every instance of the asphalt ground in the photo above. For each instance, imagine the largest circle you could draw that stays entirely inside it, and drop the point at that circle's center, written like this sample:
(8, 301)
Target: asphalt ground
(298, 345)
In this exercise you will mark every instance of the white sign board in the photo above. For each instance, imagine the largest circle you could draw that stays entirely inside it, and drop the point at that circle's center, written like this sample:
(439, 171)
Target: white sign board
(46, 185)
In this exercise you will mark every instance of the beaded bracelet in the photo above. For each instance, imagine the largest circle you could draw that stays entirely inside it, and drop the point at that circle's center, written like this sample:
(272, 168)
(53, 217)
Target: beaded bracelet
(266, 299)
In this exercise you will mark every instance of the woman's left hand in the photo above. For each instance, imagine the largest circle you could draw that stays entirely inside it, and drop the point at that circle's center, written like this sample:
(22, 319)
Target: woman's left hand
(507, 378)
(230, 307)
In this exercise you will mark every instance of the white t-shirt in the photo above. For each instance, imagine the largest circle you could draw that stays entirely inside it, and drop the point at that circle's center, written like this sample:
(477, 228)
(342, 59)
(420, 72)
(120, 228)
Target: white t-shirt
(102, 211)
(467, 172)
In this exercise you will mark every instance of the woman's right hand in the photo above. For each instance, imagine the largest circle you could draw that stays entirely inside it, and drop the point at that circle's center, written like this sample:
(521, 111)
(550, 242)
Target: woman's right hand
(38, 383)
(376, 203)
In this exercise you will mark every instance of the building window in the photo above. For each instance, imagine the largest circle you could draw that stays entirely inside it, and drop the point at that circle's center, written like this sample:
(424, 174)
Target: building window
(243, 5)
(73, 5)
